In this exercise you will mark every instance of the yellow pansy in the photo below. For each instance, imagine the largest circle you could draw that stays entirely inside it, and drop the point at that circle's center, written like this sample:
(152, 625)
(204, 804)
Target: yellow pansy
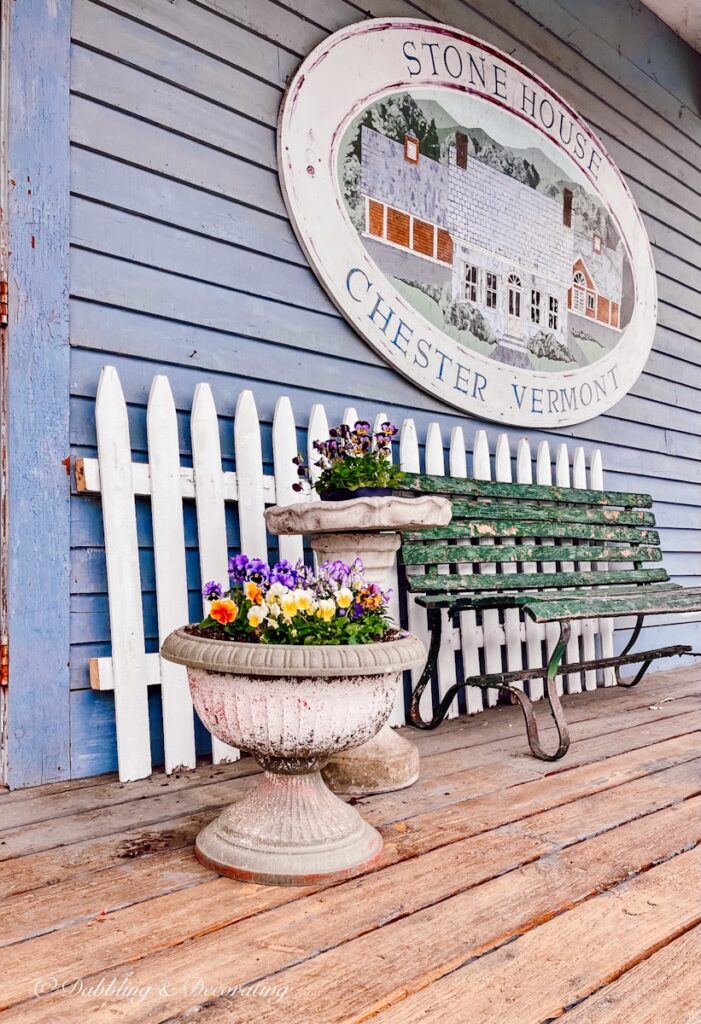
(288, 604)
(344, 597)
(304, 600)
(326, 609)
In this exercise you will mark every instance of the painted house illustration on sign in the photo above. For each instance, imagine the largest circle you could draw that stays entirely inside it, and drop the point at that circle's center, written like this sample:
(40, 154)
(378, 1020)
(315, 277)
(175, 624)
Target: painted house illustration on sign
(507, 250)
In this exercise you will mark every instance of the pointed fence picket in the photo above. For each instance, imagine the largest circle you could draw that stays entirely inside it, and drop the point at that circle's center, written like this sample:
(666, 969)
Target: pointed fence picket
(211, 510)
(512, 617)
(486, 641)
(128, 662)
(171, 574)
(493, 635)
(397, 716)
(588, 626)
(284, 451)
(410, 462)
(606, 626)
(534, 633)
(468, 619)
(573, 680)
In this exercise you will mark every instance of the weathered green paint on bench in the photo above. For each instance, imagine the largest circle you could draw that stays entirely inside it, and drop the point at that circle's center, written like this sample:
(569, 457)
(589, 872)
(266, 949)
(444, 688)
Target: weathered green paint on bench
(442, 554)
(503, 528)
(525, 511)
(605, 605)
(455, 584)
(451, 485)
(507, 599)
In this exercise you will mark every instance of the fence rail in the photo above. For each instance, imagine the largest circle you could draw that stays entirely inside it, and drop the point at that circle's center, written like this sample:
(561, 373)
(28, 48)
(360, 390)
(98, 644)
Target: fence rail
(482, 642)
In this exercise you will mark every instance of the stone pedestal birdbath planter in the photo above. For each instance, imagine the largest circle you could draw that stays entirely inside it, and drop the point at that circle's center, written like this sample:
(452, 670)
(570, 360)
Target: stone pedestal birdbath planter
(366, 528)
(291, 707)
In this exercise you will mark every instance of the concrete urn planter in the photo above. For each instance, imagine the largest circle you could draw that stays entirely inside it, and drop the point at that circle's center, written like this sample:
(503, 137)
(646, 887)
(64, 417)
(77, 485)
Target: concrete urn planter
(291, 707)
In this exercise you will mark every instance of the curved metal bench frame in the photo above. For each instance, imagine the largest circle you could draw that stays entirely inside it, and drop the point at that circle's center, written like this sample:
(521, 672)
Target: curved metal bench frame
(506, 680)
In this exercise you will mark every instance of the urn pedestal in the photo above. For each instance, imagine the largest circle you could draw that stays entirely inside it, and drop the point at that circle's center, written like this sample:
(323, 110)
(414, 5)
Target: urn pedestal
(291, 708)
(366, 528)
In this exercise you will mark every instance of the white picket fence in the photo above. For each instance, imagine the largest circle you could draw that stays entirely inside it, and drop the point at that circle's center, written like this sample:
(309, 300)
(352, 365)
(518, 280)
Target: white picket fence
(487, 642)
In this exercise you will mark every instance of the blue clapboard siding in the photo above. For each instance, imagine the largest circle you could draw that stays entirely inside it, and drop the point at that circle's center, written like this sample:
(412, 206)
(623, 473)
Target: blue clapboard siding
(183, 261)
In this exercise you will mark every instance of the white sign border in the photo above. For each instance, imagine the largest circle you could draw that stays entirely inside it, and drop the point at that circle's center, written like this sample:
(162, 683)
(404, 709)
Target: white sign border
(346, 72)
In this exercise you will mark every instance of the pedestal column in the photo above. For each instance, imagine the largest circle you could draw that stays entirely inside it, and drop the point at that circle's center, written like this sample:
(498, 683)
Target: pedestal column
(367, 528)
(388, 761)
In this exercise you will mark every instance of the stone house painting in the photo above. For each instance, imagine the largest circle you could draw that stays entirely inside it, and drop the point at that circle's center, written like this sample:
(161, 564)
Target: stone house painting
(505, 248)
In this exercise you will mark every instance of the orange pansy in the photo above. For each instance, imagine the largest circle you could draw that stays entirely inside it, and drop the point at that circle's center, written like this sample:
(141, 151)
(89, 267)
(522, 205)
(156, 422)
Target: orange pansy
(223, 611)
(253, 592)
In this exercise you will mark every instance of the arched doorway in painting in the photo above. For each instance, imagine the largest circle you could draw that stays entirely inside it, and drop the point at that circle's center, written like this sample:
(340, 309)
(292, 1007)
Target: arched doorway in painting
(513, 319)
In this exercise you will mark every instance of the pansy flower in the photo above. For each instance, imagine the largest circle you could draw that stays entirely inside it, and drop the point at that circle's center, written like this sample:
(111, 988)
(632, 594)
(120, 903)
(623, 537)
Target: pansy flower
(212, 591)
(224, 611)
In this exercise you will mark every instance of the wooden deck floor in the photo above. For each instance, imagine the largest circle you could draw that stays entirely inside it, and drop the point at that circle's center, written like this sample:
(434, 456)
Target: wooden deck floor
(511, 890)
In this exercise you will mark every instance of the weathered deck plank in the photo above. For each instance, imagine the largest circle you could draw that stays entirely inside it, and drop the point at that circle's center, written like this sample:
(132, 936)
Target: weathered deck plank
(620, 928)
(665, 987)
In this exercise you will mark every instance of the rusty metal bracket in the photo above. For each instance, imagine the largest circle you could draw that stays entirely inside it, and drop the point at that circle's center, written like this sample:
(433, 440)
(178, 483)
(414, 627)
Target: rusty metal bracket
(556, 710)
(4, 309)
(644, 667)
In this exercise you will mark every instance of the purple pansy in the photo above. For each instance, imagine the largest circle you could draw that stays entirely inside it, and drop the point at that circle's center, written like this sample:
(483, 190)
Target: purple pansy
(238, 566)
(284, 572)
(212, 591)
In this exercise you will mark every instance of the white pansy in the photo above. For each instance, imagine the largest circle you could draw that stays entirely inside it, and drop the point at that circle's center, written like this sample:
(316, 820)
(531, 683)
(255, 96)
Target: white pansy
(256, 614)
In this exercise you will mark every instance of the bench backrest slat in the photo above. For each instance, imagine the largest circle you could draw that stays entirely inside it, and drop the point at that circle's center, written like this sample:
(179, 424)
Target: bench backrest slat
(444, 554)
(435, 583)
(525, 511)
(453, 486)
(477, 529)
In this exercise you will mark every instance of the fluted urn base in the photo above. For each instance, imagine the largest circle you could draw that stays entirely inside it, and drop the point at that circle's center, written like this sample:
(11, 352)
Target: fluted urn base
(290, 830)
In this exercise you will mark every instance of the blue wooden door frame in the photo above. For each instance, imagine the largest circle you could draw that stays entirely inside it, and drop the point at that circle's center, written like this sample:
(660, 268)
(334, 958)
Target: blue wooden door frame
(37, 735)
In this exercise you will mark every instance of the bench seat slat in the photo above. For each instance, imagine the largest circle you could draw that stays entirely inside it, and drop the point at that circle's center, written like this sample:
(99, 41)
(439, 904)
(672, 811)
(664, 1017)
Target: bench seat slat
(445, 554)
(542, 608)
(498, 528)
(513, 512)
(539, 492)
(445, 588)
(518, 600)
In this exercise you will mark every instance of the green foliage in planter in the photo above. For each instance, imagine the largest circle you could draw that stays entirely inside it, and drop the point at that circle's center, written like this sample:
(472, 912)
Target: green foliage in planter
(351, 458)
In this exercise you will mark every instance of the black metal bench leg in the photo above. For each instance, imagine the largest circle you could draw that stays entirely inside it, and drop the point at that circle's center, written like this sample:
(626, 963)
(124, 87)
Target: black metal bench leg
(644, 667)
(556, 710)
(435, 626)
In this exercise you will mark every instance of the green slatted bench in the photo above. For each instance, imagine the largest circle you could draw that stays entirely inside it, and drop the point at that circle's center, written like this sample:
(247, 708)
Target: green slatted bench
(531, 523)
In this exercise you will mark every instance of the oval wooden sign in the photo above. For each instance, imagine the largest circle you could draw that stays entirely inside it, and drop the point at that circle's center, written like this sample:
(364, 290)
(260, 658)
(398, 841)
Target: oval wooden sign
(467, 223)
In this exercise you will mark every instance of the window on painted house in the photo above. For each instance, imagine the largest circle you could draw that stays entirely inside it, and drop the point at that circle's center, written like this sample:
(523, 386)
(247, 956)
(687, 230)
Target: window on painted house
(471, 282)
(591, 302)
(408, 232)
(461, 149)
(567, 207)
(411, 149)
(535, 305)
(597, 243)
(490, 293)
(579, 287)
(553, 312)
